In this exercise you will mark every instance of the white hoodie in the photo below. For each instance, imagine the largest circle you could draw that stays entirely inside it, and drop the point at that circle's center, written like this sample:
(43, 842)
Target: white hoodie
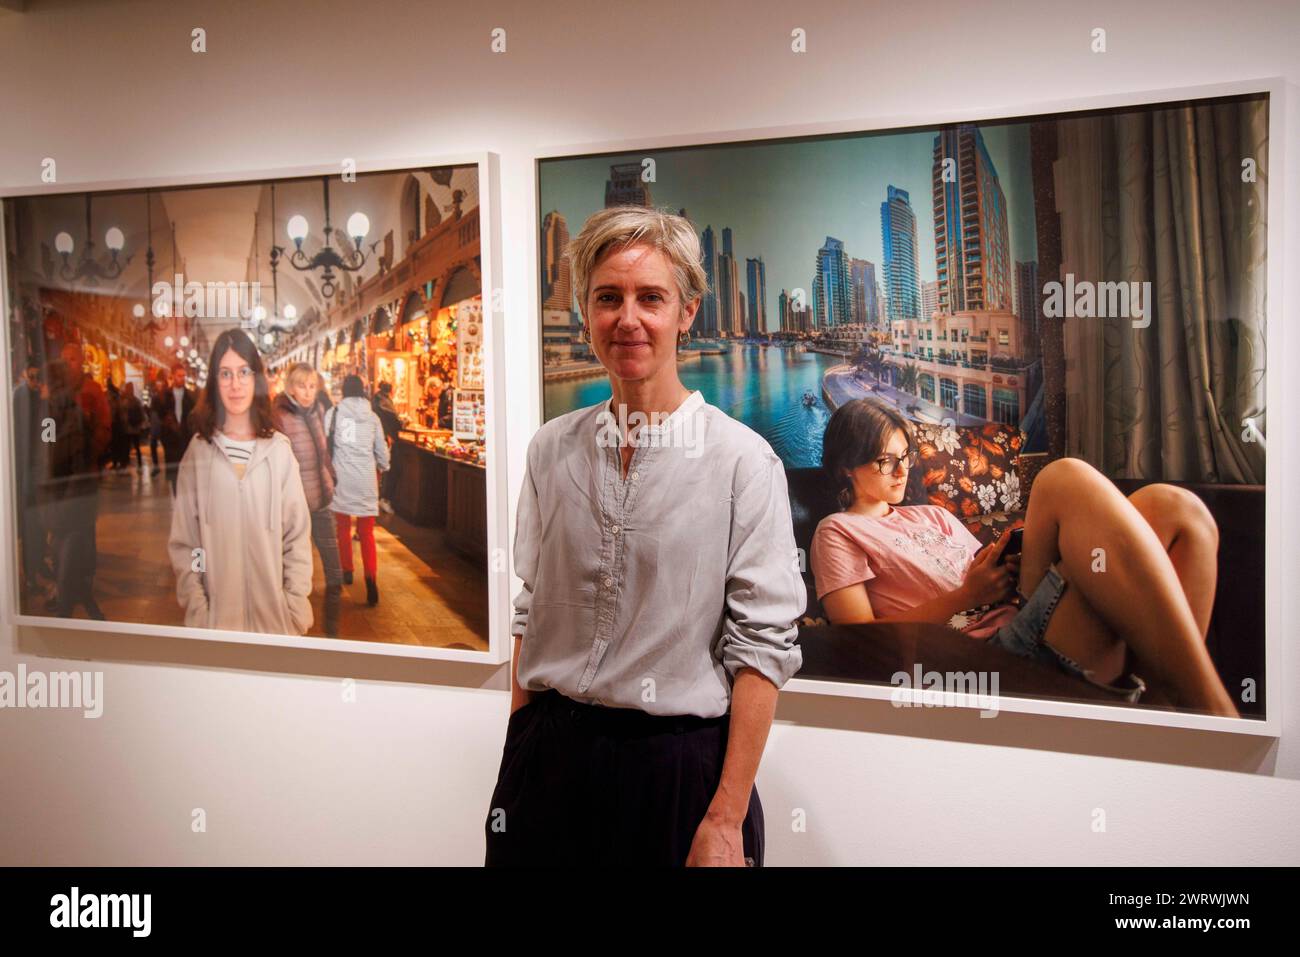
(241, 548)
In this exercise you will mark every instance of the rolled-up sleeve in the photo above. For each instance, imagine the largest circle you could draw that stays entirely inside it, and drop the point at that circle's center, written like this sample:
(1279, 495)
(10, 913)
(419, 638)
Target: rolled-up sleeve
(528, 534)
(765, 592)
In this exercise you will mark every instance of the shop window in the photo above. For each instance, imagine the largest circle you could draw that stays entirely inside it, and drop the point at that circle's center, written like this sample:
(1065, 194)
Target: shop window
(1006, 406)
(926, 382)
(948, 394)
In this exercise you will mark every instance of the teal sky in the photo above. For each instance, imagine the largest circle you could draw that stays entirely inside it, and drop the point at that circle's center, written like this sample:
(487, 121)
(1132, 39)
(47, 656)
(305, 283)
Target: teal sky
(782, 199)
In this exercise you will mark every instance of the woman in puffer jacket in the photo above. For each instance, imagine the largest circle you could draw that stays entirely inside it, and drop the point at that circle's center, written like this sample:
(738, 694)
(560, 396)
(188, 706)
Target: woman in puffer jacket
(298, 416)
(358, 448)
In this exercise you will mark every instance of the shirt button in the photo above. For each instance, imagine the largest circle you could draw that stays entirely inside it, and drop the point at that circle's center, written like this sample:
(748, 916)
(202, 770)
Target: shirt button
(635, 476)
(607, 581)
(615, 529)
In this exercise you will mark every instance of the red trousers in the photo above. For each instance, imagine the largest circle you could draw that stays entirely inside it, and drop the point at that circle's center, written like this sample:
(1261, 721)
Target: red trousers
(366, 530)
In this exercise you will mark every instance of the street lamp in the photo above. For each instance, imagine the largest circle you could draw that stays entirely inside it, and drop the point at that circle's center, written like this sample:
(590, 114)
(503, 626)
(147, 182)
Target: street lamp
(327, 259)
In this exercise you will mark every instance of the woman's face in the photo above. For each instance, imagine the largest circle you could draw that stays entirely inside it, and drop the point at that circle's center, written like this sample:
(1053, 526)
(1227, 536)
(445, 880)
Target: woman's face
(303, 390)
(635, 314)
(869, 484)
(235, 383)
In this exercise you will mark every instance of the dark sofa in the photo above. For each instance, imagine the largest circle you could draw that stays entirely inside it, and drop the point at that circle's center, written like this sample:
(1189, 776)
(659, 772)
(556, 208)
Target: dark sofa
(873, 652)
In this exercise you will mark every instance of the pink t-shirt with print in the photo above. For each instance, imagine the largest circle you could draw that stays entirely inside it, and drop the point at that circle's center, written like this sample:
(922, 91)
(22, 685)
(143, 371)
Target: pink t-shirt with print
(906, 557)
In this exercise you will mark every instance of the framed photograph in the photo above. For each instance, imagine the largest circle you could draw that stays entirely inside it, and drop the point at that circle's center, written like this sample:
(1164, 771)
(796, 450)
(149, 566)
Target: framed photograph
(232, 408)
(1085, 280)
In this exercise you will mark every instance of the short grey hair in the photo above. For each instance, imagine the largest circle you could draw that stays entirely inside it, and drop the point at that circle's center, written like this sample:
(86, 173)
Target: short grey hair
(621, 226)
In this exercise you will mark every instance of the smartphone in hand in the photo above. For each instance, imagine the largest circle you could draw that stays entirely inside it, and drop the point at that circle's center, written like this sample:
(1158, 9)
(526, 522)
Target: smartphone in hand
(1014, 544)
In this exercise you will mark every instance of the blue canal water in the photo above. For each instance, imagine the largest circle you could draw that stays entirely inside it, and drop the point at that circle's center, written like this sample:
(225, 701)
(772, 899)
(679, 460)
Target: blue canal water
(761, 386)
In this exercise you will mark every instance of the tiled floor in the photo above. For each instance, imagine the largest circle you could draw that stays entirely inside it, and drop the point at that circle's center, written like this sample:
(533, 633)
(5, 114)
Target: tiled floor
(444, 606)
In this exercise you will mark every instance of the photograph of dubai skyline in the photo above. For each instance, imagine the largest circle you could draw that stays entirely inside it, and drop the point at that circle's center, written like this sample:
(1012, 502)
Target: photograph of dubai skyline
(900, 265)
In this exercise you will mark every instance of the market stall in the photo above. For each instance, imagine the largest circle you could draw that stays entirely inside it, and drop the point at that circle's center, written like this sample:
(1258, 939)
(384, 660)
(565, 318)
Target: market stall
(435, 366)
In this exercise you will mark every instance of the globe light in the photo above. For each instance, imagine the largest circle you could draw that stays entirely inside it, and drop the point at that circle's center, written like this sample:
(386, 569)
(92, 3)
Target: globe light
(63, 243)
(138, 311)
(114, 239)
(297, 227)
(185, 340)
(358, 226)
(290, 311)
(194, 353)
(259, 312)
(168, 342)
(179, 354)
(268, 339)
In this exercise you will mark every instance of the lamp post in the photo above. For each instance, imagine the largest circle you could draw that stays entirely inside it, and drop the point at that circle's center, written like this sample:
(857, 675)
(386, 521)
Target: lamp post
(89, 268)
(327, 259)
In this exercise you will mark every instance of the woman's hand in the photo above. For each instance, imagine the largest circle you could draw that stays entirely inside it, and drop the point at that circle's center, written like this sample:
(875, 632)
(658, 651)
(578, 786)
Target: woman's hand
(986, 581)
(717, 843)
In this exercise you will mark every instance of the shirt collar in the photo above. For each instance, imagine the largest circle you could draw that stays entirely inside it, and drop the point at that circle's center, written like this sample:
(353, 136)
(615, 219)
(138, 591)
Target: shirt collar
(687, 408)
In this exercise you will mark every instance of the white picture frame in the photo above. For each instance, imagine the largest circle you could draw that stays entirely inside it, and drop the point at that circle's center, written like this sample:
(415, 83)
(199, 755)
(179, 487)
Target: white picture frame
(487, 164)
(1280, 514)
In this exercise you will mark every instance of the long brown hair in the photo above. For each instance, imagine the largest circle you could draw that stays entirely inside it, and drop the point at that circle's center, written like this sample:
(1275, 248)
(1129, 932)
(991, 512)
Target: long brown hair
(209, 415)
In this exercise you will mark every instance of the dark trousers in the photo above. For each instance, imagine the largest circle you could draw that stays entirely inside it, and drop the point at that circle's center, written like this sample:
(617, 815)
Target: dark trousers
(585, 785)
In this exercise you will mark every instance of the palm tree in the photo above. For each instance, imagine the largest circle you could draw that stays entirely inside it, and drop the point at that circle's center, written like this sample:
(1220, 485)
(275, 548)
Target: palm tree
(908, 376)
(875, 363)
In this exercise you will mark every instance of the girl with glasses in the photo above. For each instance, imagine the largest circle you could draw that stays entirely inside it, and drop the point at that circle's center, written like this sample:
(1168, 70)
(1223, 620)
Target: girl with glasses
(878, 560)
(240, 540)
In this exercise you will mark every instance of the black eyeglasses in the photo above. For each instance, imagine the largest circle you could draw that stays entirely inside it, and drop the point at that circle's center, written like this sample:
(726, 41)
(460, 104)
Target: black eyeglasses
(888, 464)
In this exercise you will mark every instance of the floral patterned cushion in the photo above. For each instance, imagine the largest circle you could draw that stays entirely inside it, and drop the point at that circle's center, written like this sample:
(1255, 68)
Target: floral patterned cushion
(971, 472)
(987, 528)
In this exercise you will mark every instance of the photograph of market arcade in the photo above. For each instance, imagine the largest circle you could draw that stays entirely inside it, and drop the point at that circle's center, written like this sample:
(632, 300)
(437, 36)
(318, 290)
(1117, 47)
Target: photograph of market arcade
(356, 298)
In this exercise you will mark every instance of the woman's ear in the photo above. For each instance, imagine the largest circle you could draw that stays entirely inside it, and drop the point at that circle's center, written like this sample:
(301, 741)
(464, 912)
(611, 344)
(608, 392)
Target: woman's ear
(689, 309)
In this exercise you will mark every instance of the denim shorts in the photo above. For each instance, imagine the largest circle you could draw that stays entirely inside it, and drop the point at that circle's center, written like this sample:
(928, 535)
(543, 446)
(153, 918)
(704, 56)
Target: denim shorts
(1023, 636)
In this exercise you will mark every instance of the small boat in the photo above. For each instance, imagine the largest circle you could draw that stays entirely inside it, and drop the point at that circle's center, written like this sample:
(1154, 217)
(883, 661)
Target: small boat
(809, 400)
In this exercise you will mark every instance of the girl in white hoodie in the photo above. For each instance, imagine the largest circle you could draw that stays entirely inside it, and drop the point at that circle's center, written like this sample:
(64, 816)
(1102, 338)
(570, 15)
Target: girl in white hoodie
(240, 540)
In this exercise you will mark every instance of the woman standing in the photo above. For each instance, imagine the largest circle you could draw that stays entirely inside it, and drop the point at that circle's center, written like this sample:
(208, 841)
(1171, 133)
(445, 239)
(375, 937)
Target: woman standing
(134, 424)
(67, 485)
(357, 444)
(298, 415)
(241, 530)
(656, 623)
(157, 402)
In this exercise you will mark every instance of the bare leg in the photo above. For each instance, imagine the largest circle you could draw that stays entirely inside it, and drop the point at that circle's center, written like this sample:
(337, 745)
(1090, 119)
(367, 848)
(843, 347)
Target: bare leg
(1190, 536)
(1113, 558)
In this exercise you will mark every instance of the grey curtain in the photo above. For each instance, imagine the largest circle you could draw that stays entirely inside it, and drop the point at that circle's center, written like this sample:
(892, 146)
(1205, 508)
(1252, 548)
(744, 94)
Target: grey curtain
(1159, 196)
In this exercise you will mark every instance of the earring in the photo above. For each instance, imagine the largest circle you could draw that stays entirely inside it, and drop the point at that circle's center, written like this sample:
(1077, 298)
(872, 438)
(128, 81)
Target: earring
(683, 337)
(586, 333)
(845, 497)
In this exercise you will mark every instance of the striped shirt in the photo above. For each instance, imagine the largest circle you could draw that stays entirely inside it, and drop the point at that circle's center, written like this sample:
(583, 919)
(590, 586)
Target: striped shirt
(239, 452)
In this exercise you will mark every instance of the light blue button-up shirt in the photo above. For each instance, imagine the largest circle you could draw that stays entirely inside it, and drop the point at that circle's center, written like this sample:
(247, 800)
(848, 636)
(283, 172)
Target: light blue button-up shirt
(651, 590)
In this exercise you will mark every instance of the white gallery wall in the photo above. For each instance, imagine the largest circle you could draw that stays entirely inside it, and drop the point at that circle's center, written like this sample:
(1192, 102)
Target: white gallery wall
(260, 739)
